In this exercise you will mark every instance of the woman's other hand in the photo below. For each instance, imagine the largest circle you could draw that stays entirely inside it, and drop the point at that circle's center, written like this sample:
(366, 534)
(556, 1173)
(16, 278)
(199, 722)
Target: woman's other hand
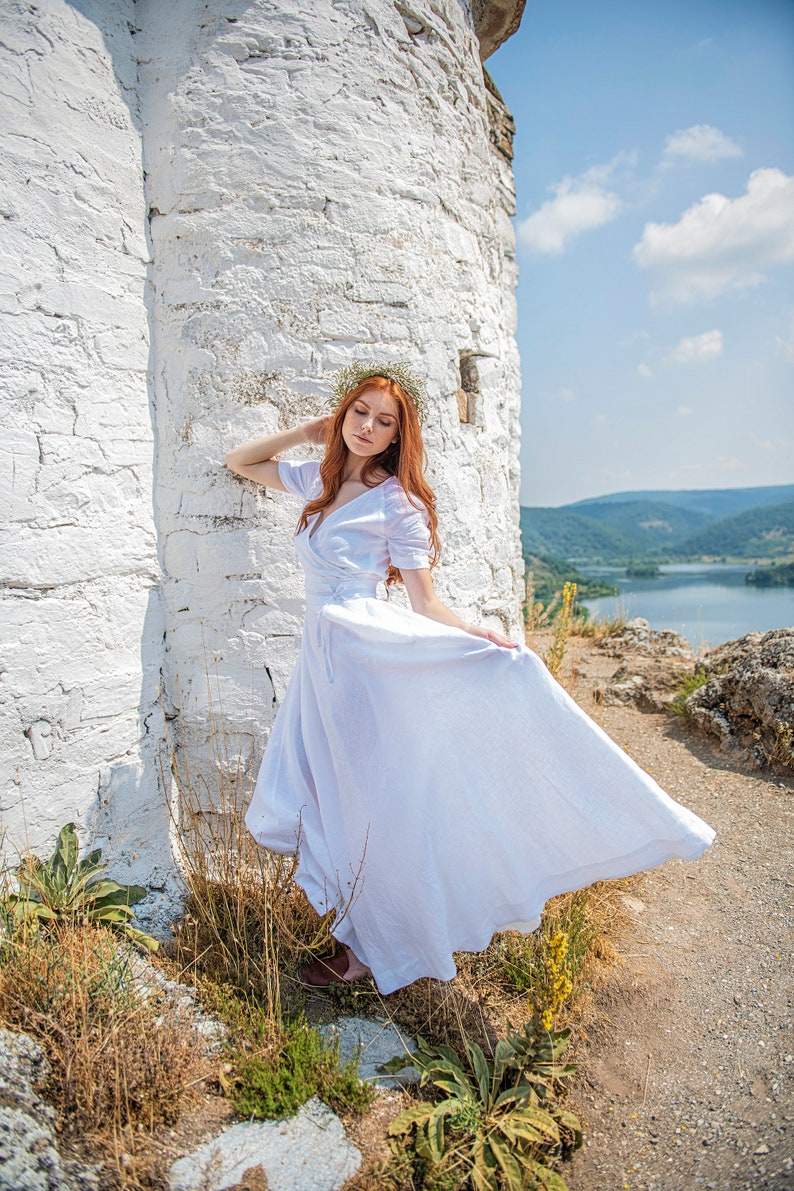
(424, 600)
(490, 635)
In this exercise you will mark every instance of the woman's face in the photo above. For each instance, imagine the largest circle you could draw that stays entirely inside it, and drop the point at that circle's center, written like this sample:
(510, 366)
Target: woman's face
(370, 423)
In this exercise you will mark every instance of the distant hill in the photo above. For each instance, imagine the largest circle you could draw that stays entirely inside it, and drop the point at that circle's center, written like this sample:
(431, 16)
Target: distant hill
(766, 532)
(649, 524)
(570, 536)
(625, 526)
(712, 502)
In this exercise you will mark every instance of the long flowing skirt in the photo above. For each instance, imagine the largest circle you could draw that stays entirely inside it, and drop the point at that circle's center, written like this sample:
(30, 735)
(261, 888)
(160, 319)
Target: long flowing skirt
(440, 788)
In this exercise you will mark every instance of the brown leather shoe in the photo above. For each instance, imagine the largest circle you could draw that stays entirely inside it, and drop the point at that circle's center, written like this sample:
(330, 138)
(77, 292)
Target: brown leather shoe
(323, 972)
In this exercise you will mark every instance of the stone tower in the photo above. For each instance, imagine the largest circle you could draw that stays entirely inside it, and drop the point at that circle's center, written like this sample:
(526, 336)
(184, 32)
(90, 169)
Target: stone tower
(207, 206)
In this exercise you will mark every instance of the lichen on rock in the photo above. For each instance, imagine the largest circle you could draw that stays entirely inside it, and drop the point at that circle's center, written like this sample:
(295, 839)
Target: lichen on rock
(748, 702)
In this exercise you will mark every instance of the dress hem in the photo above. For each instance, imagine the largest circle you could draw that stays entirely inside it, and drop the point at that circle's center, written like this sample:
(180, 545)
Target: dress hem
(507, 917)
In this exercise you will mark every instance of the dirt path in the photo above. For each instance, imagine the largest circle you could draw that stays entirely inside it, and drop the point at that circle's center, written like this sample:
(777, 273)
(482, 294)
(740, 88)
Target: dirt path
(688, 1082)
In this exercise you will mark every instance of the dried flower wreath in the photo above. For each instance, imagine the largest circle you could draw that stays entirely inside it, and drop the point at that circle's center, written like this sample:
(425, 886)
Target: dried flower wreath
(351, 375)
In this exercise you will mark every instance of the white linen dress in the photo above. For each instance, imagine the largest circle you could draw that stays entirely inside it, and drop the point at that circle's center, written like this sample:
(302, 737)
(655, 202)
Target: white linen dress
(440, 786)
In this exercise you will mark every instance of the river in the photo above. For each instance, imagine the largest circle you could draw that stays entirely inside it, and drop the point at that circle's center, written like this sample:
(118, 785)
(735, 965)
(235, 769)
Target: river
(707, 603)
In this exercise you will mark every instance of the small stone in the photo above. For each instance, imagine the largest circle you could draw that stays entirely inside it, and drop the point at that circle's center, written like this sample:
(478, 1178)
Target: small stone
(762, 1149)
(375, 1043)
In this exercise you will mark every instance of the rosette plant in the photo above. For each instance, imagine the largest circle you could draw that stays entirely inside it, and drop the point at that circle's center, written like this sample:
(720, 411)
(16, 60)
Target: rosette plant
(65, 886)
(498, 1124)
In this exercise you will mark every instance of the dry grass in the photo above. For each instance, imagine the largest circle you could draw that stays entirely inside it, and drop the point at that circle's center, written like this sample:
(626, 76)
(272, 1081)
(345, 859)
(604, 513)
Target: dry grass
(121, 1066)
(246, 922)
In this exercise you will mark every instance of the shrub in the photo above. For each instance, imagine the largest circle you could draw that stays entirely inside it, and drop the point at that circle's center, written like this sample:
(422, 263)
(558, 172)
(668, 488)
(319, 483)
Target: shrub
(687, 684)
(300, 1066)
(498, 1123)
(116, 1059)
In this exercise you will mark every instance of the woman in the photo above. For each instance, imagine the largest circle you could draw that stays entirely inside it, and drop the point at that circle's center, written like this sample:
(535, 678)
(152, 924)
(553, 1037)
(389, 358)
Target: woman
(436, 781)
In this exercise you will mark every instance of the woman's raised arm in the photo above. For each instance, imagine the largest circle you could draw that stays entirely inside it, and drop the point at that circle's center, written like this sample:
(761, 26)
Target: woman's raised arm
(254, 460)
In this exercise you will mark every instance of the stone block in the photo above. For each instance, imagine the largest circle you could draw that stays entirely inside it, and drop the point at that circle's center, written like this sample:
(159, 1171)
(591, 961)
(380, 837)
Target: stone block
(308, 1151)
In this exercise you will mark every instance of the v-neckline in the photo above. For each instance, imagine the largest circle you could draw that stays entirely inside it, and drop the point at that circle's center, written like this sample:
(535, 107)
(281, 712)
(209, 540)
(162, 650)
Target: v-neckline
(318, 525)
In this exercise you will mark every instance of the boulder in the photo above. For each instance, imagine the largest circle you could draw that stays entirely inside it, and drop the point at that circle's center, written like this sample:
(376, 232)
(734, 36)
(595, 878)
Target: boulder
(652, 662)
(637, 637)
(29, 1158)
(308, 1151)
(375, 1042)
(748, 702)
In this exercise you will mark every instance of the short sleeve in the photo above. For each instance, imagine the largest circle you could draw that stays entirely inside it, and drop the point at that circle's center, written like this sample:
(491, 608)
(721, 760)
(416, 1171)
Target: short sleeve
(300, 478)
(407, 534)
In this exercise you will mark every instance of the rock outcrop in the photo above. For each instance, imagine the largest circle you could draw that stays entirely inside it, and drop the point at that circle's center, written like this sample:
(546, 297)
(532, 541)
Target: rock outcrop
(29, 1158)
(747, 705)
(652, 662)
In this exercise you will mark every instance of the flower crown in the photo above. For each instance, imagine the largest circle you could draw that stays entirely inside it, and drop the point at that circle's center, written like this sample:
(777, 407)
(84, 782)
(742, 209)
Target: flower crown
(399, 371)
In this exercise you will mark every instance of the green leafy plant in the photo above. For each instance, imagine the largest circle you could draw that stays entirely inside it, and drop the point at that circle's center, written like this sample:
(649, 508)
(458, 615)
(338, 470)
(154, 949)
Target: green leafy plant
(687, 685)
(65, 887)
(300, 1065)
(498, 1123)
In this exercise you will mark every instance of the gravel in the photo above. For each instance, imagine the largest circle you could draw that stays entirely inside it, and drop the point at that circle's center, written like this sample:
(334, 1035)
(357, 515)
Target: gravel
(687, 1080)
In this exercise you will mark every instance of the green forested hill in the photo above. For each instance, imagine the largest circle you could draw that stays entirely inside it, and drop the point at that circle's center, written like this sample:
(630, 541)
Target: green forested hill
(618, 531)
(550, 574)
(649, 524)
(570, 536)
(766, 532)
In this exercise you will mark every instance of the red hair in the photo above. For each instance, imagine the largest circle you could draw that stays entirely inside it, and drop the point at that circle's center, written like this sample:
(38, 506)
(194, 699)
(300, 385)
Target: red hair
(404, 459)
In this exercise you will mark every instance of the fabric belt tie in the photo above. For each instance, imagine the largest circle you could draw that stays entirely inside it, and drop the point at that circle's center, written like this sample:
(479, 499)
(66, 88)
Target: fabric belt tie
(320, 598)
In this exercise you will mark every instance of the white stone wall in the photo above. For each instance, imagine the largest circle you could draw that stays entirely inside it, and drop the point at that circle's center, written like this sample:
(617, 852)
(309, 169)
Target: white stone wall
(322, 182)
(82, 622)
(322, 185)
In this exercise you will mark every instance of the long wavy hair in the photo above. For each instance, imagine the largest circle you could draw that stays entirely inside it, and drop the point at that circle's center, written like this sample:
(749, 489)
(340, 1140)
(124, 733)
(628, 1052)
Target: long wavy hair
(404, 459)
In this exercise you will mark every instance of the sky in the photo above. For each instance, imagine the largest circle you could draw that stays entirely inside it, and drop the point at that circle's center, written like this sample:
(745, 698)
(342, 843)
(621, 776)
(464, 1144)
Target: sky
(654, 167)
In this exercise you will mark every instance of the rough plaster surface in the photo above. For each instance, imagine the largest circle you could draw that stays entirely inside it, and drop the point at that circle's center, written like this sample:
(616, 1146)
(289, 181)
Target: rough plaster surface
(308, 1151)
(323, 181)
(81, 603)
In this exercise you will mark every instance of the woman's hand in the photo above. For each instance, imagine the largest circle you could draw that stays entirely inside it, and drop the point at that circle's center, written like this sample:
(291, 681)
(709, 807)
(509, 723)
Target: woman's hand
(315, 429)
(424, 600)
(490, 635)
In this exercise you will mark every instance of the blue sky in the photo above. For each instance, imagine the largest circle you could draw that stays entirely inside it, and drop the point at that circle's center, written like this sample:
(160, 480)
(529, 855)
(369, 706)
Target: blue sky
(655, 220)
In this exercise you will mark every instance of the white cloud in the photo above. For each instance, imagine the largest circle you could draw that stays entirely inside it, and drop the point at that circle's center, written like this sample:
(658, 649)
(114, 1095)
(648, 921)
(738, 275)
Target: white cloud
(566, 395)
(579, 205)
(719, 243)
(697, 348)
(685, 411)
(635, 337)
(701, 142)
(645, 371)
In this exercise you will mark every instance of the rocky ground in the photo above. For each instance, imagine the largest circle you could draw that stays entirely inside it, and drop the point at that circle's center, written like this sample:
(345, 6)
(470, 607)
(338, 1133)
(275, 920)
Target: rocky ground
(687, 1082)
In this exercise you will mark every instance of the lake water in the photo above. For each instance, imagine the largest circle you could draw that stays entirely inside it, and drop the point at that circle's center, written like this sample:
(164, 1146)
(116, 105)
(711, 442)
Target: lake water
(705, 602)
